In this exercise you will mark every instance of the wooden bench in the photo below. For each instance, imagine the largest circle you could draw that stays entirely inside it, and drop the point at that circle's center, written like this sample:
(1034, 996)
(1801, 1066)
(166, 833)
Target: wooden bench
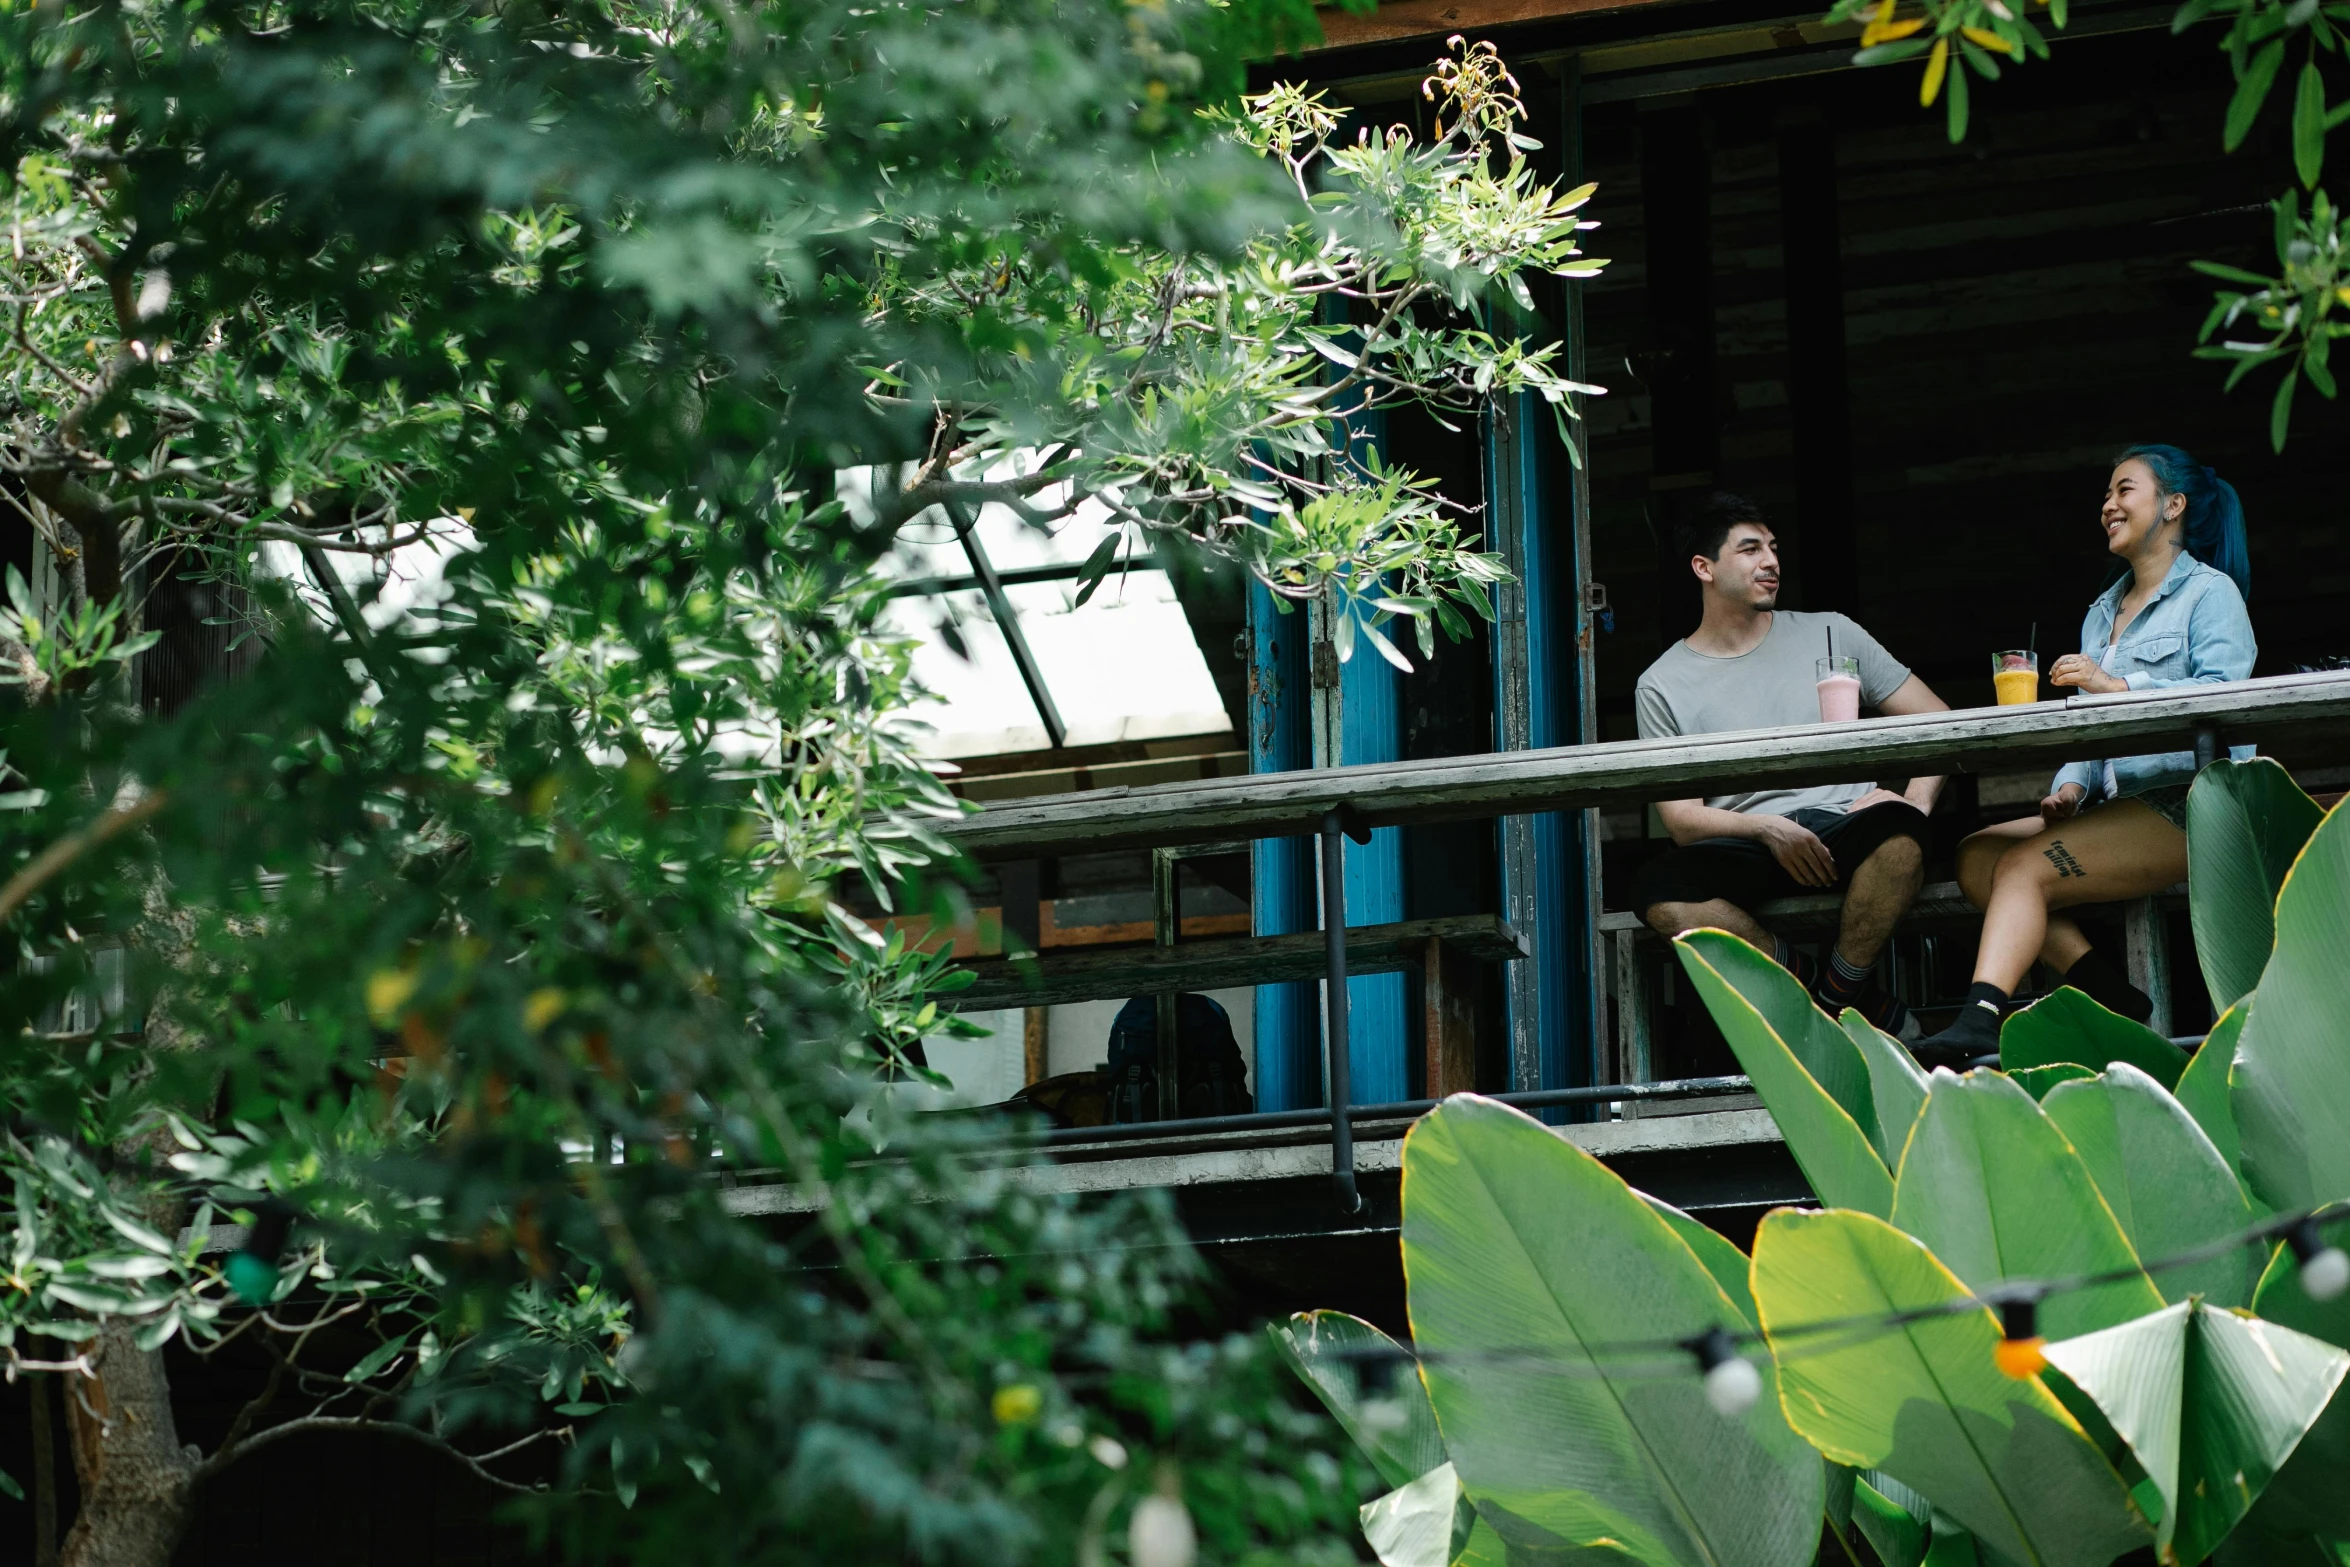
(1636, 954)
(1445, 951)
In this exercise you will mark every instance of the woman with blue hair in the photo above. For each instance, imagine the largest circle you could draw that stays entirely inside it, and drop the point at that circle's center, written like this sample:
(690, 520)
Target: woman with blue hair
(2110, 831)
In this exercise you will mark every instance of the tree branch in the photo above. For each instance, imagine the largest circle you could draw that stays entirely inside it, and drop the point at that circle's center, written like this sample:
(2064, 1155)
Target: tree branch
(73, 846)
(307, 1424)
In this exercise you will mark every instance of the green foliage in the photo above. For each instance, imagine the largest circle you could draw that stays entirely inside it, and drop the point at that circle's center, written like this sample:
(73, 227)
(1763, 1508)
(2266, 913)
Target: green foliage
(1924, 1402)
(486, 376)
(1997, 1192)
(1548, 1298)
(1737, 984)
(2247, 821)
(2168, 1186)
(1513, 1237)
(2211, 1404)
(2293, 316)
(2066, 1025)
(2290, 1095)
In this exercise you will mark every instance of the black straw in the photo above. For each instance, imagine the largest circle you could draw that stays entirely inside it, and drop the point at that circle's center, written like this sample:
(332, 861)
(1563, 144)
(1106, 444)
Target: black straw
(2032, 642)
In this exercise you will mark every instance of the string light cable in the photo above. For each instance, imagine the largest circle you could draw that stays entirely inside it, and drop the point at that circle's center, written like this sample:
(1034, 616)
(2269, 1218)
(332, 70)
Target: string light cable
(1733, 1383)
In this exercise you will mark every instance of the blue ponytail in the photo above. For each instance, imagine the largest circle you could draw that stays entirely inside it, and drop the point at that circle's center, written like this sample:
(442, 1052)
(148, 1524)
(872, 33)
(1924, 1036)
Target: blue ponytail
(2214, 532)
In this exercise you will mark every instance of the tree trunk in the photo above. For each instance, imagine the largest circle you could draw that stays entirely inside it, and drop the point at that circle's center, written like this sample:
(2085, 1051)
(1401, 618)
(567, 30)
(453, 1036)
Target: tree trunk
(135, 1476)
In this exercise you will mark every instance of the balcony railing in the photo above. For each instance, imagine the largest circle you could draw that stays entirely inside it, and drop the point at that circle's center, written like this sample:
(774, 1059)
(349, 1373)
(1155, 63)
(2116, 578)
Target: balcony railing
(2305, 716)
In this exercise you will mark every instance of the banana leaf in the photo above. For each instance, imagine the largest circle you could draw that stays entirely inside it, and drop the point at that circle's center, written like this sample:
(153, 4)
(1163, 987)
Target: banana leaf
(1895, 1533)
(2164, 1181)
(1995, 1191)
(1922, 1401)
(2038, 1080)
(2246, 821)
(1381, 1405)
(2065, 1025)
(1897, 1085)
(2311, 1494)
(1430, 1523)
(1721, 1257)
(2203, 1087)
(1514, 1239)
(1828, 1140)
(2291, 1083)
(2211, 1402)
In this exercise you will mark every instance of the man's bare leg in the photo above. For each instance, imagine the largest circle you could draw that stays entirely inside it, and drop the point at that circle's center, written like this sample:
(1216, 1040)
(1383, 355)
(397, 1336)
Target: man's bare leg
(1670, 919)
(1882, 890)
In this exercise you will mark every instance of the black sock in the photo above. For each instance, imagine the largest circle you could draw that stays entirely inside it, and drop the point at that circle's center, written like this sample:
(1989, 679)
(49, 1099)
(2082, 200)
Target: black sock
(1840, 983)
(1975, 1031)
(2108, 986)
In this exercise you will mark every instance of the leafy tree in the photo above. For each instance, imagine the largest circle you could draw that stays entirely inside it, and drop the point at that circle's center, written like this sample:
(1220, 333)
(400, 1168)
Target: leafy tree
(459, 701)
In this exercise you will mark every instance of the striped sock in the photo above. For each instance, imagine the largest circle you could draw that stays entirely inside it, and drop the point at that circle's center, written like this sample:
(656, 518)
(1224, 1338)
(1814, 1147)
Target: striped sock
(1840, 982)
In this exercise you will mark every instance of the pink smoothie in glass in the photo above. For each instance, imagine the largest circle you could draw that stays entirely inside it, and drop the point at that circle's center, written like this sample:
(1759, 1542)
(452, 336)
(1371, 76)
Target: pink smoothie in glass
(1839, 699)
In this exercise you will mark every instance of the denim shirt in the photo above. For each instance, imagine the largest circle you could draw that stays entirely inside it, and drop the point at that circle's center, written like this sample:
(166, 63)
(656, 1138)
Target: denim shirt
(2194, 632)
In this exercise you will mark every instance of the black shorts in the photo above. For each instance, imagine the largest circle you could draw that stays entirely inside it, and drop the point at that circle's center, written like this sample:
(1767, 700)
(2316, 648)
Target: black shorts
(1743, 872)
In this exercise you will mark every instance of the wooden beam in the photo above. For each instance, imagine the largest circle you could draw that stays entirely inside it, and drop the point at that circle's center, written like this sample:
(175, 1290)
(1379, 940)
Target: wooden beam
(1056, 979)
(1402, 19)
(2299, 711)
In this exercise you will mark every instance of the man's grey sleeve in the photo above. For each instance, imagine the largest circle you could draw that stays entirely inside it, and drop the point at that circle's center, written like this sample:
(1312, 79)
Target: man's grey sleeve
(1881, 674)
(1654, 713)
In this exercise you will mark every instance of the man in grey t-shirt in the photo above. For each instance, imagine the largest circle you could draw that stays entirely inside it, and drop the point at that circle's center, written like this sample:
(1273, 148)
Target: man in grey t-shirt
(1752, 665)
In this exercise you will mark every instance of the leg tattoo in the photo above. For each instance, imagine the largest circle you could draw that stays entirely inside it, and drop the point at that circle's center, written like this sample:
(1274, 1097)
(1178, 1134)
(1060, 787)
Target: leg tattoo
(2062, 858)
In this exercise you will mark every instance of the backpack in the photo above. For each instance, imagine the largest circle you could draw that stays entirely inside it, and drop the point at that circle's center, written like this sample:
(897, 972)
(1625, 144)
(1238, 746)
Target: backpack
(1213, 1078)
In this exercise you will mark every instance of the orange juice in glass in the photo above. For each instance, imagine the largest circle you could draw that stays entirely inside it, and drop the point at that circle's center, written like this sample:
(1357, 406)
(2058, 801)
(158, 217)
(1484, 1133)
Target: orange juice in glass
(2015, 677)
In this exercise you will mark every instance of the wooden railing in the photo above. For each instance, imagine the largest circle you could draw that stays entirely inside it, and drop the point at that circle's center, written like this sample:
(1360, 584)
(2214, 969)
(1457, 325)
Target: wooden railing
(2299, 711)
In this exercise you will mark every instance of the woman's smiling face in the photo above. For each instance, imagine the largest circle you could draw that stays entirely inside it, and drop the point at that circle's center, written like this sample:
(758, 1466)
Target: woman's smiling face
(2136, 511)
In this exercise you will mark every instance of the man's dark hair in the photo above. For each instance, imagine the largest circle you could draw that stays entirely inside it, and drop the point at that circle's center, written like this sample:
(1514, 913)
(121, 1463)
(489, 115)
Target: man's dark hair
(1705, 525)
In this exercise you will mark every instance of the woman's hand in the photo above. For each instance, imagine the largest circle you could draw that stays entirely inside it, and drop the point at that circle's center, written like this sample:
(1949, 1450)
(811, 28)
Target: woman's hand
(2079, 669)
(2063, 805)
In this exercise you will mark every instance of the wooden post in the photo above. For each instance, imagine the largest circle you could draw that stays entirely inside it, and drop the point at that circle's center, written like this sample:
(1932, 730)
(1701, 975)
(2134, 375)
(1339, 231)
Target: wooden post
(1449, 990)
(1035, 1044)
(1817, 383)
(2146, 939)
(1632, 1019)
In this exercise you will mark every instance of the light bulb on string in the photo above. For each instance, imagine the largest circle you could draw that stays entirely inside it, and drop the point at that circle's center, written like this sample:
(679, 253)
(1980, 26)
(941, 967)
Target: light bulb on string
(1731, 1382)
(2021, 1352)
(2325, 1270)
(1160, 1534)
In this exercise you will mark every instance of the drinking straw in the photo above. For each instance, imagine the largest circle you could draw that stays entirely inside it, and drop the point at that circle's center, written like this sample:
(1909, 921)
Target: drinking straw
(2032, 642)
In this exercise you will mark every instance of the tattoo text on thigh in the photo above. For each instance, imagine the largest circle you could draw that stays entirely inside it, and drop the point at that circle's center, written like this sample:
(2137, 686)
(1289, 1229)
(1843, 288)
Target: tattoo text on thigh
(2062, 858)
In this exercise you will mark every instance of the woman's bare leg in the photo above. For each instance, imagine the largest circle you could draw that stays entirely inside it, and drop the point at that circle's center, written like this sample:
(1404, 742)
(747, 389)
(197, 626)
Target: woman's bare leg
(2108, 854)
(1978, 862)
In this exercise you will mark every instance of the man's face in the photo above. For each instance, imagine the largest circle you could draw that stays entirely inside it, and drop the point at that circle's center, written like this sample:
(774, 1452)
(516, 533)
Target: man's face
(1747, 571)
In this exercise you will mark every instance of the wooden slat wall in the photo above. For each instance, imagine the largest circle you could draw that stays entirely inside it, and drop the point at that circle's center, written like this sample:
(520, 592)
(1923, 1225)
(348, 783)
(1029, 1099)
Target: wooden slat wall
(2017, 309)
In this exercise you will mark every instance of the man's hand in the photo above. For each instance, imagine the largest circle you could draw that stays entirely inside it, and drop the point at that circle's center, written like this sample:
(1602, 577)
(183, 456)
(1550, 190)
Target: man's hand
(2063, 805)
(1798, 850)
(2085, 673)
(1876, 797)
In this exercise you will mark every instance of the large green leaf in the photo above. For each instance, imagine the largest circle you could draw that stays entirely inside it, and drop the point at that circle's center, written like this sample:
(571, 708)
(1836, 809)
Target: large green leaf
(1430, 1523)
(2291, 1082)
(1997, 1193)
(2162, 1178)
(2310, 1495)
(2212, 1404)
(1896, 1534)
(2065, 1025)
(1923, 1401)
(1897, 1085)
(2245, 823)
(2038, 1080)
(1383, 1407)
(1828, 1141)
(2203, 1087)
(1715, 1250)
(1513, 1239)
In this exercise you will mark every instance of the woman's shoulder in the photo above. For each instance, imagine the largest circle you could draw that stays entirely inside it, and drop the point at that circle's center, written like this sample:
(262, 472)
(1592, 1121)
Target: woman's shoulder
(2209, 584)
